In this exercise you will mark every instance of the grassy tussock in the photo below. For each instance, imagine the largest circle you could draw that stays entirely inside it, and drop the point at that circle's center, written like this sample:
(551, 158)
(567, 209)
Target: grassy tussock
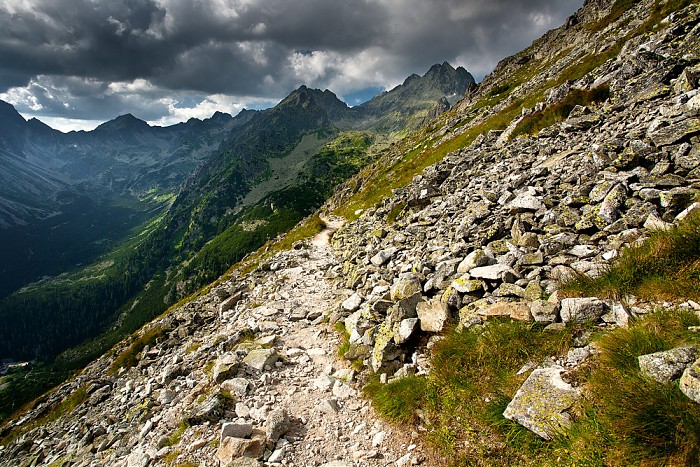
(666, 266)
(631, 420)
(625, 419)
(472, 379)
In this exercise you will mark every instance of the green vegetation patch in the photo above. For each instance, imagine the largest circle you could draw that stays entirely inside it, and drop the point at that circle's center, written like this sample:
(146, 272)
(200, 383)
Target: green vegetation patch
(624, 418)
(630, 419)
(473, 378)
(666, 266)
(533, 123)
(128, 358)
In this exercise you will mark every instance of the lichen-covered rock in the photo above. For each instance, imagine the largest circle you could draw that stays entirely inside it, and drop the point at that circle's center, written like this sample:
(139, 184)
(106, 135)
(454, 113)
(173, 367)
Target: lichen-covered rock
(581, 310)
(544, 311)
(276, 424)
(668, 365)
(258, 359)
(226, 367)
(466, 285)
(433, 315)
(405, 286)
(543, 402)
(384, 348)
(210, 410)
(690, 381)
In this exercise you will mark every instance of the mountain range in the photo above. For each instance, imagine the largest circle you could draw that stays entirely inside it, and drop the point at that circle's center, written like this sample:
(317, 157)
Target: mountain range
(110, 226)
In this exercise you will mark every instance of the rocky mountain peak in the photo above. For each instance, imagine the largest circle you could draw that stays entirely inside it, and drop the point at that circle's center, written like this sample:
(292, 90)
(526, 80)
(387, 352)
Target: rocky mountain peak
(123, 123)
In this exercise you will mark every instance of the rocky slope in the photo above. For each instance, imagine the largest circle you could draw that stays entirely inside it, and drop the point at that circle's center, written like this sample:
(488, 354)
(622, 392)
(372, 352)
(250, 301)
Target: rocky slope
(248, 368)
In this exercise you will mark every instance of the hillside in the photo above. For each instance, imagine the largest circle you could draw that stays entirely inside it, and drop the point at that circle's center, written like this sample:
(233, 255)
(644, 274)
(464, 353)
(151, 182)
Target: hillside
(515, 282)
(145, 216)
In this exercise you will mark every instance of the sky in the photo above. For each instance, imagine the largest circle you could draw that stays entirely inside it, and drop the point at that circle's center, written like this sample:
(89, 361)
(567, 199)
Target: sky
(77, 63)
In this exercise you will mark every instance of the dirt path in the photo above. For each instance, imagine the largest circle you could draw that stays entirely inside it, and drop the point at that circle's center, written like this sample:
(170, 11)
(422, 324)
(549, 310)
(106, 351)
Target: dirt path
(322, 239)
(331, 424)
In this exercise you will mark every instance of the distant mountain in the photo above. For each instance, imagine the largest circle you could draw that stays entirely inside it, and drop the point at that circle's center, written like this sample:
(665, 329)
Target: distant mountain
(419, 99)
(128, 218)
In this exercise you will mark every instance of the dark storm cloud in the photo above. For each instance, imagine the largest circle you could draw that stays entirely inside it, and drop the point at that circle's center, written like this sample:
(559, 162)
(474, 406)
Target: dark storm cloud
(59, 55)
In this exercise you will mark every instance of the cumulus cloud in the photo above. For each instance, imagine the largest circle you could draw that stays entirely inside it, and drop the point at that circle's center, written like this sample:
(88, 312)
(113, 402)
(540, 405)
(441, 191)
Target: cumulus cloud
(91, 59)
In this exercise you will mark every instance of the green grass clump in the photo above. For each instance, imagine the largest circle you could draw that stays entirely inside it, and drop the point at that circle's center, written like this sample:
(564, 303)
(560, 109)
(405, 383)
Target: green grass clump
(344, 336)
(641, 421)
(394, 212)
(472, 380)
(176, 435)
(400, 399)
(559, 111)
(666, 266)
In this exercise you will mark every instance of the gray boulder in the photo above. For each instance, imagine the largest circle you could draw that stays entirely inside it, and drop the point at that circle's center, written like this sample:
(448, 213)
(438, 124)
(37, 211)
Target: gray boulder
(260, 358)
(208, 411)
(581, 310)
(432, 315)
(276, 424)
(543, 402)
(668, 365)
(690, 381)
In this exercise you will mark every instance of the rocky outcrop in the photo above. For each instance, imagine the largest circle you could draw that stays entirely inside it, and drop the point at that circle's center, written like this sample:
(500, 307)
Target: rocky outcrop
(492, 230)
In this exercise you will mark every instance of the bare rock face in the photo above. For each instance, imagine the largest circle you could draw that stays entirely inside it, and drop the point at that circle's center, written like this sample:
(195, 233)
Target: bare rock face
(542, 403)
